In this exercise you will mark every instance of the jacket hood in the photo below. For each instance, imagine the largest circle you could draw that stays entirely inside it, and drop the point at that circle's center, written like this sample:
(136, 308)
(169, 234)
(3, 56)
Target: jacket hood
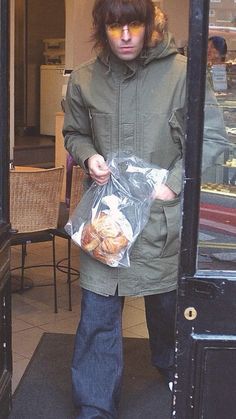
(163, 49)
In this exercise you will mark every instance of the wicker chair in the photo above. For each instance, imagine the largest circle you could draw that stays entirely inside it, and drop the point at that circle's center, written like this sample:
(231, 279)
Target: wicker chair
(76, 192)
(77, 187)
(34, 210)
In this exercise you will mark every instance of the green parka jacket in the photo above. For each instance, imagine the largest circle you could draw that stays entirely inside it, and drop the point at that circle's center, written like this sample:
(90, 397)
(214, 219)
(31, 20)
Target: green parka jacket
(138, 107)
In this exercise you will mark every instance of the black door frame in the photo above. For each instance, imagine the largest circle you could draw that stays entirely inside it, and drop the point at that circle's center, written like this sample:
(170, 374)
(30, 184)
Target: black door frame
(5, 286)
(4, 119)
(212, 290)
(196, 76)
(4, 106)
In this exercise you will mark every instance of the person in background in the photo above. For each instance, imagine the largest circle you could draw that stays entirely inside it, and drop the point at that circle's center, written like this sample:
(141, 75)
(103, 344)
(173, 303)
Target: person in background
(217, 50)
(131, 97)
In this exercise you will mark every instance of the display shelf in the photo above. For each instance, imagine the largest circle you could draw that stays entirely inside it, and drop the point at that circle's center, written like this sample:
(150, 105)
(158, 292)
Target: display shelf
(219, 189)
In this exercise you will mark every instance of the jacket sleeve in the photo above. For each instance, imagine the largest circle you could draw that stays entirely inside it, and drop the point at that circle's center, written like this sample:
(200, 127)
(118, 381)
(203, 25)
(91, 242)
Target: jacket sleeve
(215, 140)
(175, 174)
(77, 129)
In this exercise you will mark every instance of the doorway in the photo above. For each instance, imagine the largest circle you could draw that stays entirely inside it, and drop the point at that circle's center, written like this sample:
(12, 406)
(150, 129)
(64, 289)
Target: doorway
(35, 22)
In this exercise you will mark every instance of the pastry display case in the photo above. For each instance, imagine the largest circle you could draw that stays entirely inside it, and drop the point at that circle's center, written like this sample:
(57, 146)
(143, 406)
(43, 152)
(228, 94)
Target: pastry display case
(218, 189)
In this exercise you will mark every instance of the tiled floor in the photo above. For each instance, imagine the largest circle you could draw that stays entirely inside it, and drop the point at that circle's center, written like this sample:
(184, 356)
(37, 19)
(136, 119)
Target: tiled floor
(33, 310)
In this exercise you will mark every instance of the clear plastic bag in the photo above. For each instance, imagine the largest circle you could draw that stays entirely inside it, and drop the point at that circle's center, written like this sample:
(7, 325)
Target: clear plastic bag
(109, 218)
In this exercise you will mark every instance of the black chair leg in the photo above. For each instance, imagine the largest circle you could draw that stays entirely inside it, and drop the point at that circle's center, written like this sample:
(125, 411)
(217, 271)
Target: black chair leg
(23, 255)
(54, 275)
(69, 273)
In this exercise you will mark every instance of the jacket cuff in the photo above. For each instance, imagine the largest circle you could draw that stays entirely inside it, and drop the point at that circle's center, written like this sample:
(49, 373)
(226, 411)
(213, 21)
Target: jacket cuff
(174, 183)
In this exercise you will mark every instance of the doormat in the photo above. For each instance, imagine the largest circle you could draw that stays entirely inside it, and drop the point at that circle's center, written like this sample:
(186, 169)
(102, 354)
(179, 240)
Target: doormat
(44, 391)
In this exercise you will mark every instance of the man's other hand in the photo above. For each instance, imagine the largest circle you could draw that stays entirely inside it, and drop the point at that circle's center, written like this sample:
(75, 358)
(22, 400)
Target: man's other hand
(98, 169)
(164, 192)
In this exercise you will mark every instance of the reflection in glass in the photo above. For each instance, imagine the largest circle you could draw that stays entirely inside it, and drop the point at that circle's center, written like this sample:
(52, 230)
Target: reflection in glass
(217, 226)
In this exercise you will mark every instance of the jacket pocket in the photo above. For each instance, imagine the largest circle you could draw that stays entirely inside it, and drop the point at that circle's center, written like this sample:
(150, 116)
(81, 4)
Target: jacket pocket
(160, 237)
(173, 220)
(101, 127)
(155, 129)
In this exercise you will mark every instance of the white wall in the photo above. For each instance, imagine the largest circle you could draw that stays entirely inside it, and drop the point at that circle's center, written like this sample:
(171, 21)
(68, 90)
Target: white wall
(78, 29)
(69, 34)
(178, 16)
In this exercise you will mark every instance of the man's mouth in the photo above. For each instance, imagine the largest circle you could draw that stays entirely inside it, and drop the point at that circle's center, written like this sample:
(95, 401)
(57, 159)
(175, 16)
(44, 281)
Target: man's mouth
(126, 48)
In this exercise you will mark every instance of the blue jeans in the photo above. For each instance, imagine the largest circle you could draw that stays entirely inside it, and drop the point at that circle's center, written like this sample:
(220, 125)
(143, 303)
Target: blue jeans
(98, 354)
(160, 316)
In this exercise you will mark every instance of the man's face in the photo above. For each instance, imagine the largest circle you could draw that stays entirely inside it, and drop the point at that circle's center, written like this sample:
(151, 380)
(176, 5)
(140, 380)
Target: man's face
(126, 41)
(213, 54)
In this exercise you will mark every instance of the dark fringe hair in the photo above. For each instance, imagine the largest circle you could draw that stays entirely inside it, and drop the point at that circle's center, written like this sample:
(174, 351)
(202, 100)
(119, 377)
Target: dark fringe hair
(220, 44)
(121, 11)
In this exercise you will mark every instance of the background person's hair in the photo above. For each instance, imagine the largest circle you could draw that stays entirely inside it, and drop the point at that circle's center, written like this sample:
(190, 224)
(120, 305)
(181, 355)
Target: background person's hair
(220, 45)
(121, 11)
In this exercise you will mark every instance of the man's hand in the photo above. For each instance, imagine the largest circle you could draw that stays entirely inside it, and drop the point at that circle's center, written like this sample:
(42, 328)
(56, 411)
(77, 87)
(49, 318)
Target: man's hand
(98, 169)
(164, 192)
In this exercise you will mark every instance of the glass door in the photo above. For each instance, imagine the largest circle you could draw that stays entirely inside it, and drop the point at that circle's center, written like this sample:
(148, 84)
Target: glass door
(204, 383)
(217, 226)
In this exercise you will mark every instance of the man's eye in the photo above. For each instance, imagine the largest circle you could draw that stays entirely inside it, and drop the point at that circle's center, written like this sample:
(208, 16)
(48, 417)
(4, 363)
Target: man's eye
(135, 24)
(114, 26)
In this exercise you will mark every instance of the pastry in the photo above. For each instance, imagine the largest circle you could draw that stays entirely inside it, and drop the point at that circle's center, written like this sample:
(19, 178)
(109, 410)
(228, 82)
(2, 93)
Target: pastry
(104, 239)
(108, 259)
(114, 245)
(89, 238)
(105, 226)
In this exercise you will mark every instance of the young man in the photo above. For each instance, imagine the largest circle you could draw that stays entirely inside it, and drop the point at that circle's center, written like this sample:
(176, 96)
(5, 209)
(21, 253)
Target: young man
(130, 98)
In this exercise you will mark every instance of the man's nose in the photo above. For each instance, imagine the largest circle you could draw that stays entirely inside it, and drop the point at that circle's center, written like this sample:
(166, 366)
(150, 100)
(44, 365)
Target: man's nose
(125, 33)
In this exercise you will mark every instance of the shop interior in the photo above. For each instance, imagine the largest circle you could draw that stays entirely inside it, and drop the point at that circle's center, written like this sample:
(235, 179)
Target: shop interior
(50, 38)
